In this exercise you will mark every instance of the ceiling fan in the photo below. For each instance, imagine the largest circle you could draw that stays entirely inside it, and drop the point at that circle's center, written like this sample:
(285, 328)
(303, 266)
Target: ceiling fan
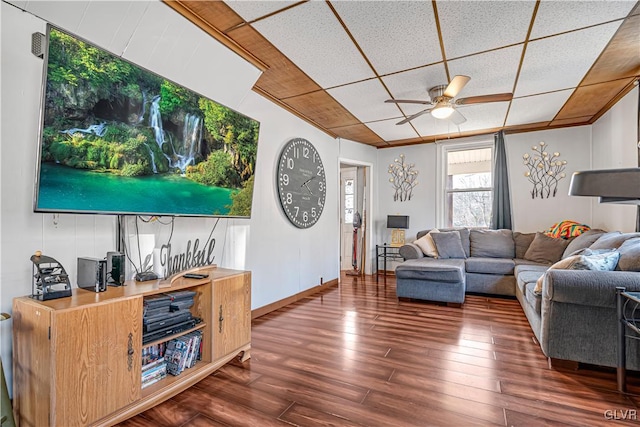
(443, 104)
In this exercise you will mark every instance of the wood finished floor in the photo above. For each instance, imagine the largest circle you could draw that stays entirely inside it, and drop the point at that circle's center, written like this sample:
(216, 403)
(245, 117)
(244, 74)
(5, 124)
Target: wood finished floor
(355, 356)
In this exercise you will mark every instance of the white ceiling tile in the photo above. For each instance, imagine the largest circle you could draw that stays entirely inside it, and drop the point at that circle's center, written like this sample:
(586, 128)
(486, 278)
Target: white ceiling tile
(380, 29)
(554, 16)
(415, 84)
(22, 4)
(537, 108)
(63, 14)
(365, 100)
(490, 72)
(560, 62)
(250, 10)
(111, 24)
(475, 26)
(483, 116)
(311, 36)
(427, 125)
(389, 131)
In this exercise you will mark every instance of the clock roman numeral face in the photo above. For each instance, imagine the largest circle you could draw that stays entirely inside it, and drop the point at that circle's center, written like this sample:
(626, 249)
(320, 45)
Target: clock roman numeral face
(302, 185)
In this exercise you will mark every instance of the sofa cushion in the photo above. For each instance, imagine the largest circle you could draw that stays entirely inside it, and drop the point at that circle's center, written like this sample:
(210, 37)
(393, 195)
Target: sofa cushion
(629, 255)
(612, 240)
(448, 244)
(489, 265)
(545, 249)
(427, 245)
(522, 242)
(492, 243)
(584, 240)
(429, 269)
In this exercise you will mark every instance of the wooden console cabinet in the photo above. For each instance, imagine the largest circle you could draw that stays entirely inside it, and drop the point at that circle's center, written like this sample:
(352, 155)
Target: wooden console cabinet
(77, 360)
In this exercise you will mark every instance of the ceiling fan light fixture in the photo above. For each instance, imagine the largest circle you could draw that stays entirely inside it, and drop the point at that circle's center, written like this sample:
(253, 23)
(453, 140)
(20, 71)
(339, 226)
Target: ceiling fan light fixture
(442, 110)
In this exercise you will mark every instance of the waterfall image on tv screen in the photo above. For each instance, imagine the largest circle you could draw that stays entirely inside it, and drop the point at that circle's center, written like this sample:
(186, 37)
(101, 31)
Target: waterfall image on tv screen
(119, 139)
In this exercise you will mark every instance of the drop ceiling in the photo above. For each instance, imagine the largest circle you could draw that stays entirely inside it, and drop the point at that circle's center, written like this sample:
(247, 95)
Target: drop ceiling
(334, 63)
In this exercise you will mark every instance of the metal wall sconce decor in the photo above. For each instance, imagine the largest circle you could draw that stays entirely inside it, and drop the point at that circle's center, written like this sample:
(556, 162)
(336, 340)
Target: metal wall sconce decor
(545, 170)
(403, 179)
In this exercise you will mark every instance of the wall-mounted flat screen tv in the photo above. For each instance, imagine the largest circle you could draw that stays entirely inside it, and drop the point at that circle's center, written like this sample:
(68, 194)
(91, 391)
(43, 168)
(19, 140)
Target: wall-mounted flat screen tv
(118, 139)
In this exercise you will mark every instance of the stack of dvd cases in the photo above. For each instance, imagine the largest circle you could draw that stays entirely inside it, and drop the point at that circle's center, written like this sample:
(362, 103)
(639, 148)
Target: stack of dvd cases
(167, 314)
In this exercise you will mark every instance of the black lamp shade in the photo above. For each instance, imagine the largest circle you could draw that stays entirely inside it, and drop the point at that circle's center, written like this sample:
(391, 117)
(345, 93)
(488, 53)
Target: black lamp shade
(611, 185)
(397, 221)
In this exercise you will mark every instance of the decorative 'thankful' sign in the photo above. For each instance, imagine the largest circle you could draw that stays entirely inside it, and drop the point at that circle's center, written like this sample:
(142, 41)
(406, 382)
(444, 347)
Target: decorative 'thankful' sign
(191, 257)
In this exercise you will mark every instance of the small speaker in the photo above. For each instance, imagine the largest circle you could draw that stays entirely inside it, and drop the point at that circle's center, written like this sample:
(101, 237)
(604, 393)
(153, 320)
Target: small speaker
(38, 44)
(115, 268)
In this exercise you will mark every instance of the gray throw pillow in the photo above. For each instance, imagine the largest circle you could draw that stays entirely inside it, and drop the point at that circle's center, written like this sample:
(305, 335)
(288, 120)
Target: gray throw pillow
(492, 243)
(449, 244)
(582, 241)
(613, 240)
(606, 261)
(629, 255)
(522, 241)
(545, 249)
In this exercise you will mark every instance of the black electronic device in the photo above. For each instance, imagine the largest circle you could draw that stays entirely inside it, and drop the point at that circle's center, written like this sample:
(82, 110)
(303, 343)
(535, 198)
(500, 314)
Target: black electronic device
(165, 320)
(145, 276)
(92, 274)
(115, 268)
(174, 329)
(195, 276)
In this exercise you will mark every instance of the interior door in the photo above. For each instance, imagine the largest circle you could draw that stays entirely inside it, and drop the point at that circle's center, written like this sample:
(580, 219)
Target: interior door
(348, 203)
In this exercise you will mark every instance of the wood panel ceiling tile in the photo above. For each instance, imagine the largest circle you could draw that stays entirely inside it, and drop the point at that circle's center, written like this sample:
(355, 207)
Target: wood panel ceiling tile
(323, 109)
(584, 120)
(589, 100)
(616, 62)
(216, 13)
(282, 78)
(359, 133)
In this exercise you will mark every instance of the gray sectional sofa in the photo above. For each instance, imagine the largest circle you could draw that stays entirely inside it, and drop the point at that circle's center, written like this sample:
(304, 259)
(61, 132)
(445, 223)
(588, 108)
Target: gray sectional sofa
(573, 311)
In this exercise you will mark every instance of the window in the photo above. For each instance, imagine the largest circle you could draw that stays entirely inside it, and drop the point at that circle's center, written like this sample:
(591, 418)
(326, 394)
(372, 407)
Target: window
(467, 184)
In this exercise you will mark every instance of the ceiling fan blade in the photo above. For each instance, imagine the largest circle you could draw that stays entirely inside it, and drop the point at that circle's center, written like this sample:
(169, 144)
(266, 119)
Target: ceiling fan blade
(408, 119)
(456, 85)
(407, 101)
(457, 118)
(496, 97)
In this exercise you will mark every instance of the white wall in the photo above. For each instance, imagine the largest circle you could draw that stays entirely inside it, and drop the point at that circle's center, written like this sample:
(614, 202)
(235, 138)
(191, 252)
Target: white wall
(284, 260)
(615, 139)
(529, 215)
(421, 207)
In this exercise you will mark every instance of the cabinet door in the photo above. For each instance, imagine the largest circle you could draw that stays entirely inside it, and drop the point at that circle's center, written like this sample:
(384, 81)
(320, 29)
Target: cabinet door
(231, 313)
(97, 360)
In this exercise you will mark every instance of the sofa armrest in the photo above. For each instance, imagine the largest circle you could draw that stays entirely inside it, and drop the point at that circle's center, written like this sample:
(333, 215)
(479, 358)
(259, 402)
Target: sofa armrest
(411, 251)
(585, 287)
(578, 316)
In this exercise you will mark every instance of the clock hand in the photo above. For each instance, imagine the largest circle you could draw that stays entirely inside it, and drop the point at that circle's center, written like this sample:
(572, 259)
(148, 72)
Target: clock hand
(305, 184)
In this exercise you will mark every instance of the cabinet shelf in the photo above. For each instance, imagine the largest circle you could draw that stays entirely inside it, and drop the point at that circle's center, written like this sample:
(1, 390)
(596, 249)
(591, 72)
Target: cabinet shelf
(176, 335)
(169, 380)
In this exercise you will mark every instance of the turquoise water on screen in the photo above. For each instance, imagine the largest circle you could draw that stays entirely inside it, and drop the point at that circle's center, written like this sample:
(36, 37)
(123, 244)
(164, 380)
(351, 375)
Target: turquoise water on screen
(67, 189)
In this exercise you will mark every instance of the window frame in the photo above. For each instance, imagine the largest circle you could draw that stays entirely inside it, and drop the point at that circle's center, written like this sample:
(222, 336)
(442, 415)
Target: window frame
(442, 191)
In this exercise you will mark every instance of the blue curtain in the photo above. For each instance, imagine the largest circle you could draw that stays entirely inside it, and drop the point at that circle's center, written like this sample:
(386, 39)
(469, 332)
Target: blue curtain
(501, 210)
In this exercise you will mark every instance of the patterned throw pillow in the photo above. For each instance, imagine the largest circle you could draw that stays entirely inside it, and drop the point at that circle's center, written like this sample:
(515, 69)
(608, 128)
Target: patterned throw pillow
(588, 260)
(566, 229)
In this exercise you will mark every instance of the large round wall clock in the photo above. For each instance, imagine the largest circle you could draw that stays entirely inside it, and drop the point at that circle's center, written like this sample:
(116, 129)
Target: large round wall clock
(302, 185)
